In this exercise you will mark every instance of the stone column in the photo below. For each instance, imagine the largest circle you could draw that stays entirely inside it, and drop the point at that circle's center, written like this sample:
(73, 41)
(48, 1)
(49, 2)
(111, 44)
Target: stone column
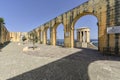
(53, 37)
(68, 38)
(39, 36)
(72, 38)
(88, 36)
(80, 36)
(44, 37)
(83, 36)
(77, 35)
(41, 39)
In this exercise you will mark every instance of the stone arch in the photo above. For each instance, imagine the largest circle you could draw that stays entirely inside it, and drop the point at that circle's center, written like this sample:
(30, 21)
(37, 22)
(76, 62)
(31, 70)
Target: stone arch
(74, 22)
(53, 34)
(81, 15)
(99, 12)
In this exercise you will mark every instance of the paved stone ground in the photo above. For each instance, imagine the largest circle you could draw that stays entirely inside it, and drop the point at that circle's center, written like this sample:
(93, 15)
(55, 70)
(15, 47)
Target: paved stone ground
(56, 63)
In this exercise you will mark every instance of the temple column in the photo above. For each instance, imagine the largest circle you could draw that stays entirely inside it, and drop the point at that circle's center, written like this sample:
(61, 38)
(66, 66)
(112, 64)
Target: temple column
(77, 36)
(85, 36)
(80, 36)
(88, 36)
(83, 39)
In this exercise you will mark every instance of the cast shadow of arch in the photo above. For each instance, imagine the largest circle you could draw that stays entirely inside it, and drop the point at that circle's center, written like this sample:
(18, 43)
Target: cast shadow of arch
(72, 67)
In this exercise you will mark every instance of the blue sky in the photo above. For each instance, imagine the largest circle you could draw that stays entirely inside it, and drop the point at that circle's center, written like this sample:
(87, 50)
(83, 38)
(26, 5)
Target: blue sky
(25, 15)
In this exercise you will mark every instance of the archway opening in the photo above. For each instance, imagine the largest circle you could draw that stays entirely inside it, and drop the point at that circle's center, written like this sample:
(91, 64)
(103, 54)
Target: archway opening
(60, 35)
(48, 36)
(86, 32)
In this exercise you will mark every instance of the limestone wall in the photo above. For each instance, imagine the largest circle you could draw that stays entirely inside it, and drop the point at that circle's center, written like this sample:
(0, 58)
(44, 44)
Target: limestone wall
(17, 36)
(4, 34)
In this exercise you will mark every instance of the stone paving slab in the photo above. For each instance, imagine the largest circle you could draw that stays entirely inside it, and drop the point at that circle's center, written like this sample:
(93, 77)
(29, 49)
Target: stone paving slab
(56, 63)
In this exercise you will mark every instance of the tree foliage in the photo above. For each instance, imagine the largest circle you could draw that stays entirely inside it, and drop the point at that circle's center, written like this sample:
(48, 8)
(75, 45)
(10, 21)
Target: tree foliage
(24, 38)
(1, 20)
(33, 38)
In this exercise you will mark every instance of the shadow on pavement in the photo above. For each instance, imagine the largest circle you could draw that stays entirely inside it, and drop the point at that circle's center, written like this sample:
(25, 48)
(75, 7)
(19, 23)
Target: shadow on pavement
(72, 67)
(4, 45)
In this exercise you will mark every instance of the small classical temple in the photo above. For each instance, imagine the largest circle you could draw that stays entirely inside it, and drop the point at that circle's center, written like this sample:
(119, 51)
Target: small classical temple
(83, 35)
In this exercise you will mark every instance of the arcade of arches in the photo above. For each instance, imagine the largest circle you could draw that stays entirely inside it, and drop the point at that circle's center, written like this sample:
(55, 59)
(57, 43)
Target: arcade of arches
(107, 13)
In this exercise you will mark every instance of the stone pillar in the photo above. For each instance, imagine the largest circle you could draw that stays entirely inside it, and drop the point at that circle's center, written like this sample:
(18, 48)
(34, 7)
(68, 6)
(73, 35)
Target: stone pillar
(72, 37)
(80, 36)
(0, 32)
(83, 37)
(44, 37)
(77, 36)
(88, 36)
(68, 38)
(51, 35)
(54, 37)
(39, 36)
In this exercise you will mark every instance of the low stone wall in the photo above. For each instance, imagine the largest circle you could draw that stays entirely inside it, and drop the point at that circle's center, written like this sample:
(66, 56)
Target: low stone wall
(85, 45)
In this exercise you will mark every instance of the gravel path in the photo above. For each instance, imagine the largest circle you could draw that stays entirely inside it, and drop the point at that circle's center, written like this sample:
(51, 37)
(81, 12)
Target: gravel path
(56, 63)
